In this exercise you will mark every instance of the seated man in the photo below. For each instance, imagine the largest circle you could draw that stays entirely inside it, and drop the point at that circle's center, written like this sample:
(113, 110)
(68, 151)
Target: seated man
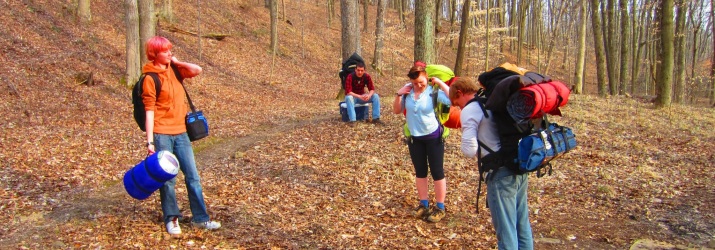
(355, 84)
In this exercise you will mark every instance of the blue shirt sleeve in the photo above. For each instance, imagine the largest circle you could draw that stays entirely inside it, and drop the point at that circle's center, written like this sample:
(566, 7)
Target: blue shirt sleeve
(443, 98)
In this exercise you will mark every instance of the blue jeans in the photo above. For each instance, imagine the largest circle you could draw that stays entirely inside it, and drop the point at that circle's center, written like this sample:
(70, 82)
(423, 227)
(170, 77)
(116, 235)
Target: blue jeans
(180, 146)
(506, 195)
(350, 102)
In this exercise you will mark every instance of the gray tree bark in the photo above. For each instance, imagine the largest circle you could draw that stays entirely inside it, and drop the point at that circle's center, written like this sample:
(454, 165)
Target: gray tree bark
(625, 29)
(523, 7)
(664, 80)
(147, 25)
(679, 88)
(712, 67)
(84, 13)
(401, 7)
(365, 15)
(578, 89)
(167, 10)
(132, 40)
(463, 36)
(437, 15)
(486, 40)
(612, 52)
(600, 50)
(350, 32)
(635, 43)
(379, 29)
(331, 11)
(424, 31)
(274, 25)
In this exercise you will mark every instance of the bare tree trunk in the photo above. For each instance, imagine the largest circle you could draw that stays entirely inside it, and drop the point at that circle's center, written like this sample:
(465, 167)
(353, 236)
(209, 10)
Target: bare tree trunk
(424, 31)
(379, 29)
(331, 11)
(695, 46)
(501, 21)
(452, 19)
(147, 25)
(167, 11)
(600, 50)
(463, 36)
(401, 11)
(365, 15)
(578, 89)
(274, 25)
(612, 52)
(523, 7)
(679, 88)
(665, 69)
(712, 65)
(350, 33)
(486, 41)
(283, 3)
(437, 15)
(635, 44)
(554, 32)
(133, 47)
(625, 28)
(302, 30)
(84, 13)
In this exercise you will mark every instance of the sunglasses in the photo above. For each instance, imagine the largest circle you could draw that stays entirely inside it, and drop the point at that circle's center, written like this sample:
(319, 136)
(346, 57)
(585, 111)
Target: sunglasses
(413, 75)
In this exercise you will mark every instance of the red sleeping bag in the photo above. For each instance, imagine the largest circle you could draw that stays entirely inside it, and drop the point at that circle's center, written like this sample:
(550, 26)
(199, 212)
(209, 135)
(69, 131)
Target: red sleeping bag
(536, 100)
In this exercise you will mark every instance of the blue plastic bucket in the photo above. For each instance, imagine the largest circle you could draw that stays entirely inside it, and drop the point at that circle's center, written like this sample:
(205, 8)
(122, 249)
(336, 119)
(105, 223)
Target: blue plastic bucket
(150, 174)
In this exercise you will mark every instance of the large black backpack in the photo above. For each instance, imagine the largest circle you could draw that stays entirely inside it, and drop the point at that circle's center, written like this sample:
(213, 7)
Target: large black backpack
(139, 108)
(348, 67)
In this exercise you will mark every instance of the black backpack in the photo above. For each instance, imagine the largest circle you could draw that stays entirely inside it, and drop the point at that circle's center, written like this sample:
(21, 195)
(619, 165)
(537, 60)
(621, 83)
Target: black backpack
(348, 67)
(139, 108)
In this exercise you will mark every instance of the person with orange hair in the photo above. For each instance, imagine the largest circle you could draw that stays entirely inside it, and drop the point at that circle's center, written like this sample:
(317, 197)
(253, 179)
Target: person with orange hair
(166, 130)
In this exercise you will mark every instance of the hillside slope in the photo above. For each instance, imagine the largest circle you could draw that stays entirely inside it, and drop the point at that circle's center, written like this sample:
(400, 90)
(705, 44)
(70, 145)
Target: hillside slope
(279, 170)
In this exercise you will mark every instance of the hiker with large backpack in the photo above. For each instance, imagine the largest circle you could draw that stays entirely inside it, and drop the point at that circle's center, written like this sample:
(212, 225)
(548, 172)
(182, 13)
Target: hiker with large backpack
(425, 142)
(506, 189)
(165, 127)
(355, 84)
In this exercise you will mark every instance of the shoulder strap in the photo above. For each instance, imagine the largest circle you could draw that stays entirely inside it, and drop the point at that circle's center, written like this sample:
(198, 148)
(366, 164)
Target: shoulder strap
(157, 82)
(181, 80)
(435, 92)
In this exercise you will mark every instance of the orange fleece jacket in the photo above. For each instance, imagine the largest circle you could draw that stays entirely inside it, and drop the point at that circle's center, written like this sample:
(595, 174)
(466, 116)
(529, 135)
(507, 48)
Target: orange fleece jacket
(170, 108)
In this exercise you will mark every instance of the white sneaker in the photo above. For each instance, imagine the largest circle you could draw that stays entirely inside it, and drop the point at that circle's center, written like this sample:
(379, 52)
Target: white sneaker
(210, 225)
(172, 227)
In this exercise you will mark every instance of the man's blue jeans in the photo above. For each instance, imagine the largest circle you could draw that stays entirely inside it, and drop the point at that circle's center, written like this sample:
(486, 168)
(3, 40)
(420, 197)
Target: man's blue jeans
(350, 102)
(180, 145)
(506, 195)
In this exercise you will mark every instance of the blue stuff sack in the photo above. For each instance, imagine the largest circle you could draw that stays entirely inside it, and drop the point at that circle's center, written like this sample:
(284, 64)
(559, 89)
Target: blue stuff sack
(150, 174)
(537, 149)
(197, 127)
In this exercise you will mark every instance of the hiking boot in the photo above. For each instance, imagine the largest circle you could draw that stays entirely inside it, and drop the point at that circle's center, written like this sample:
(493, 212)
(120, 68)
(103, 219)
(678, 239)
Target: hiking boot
(377, 121)
(209, 225)
(352, 123)
(172, 227)
(436, 215)
(420, 212)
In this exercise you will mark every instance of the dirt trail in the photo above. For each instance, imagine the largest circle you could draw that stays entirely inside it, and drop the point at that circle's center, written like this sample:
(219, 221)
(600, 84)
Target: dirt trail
(89, 204)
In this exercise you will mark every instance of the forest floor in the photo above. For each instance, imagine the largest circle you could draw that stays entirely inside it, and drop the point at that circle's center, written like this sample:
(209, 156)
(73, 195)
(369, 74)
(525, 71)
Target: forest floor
(281, 170)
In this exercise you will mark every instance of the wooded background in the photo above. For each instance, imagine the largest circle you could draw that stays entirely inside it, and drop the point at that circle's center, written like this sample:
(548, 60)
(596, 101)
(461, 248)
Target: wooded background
(661, 48)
